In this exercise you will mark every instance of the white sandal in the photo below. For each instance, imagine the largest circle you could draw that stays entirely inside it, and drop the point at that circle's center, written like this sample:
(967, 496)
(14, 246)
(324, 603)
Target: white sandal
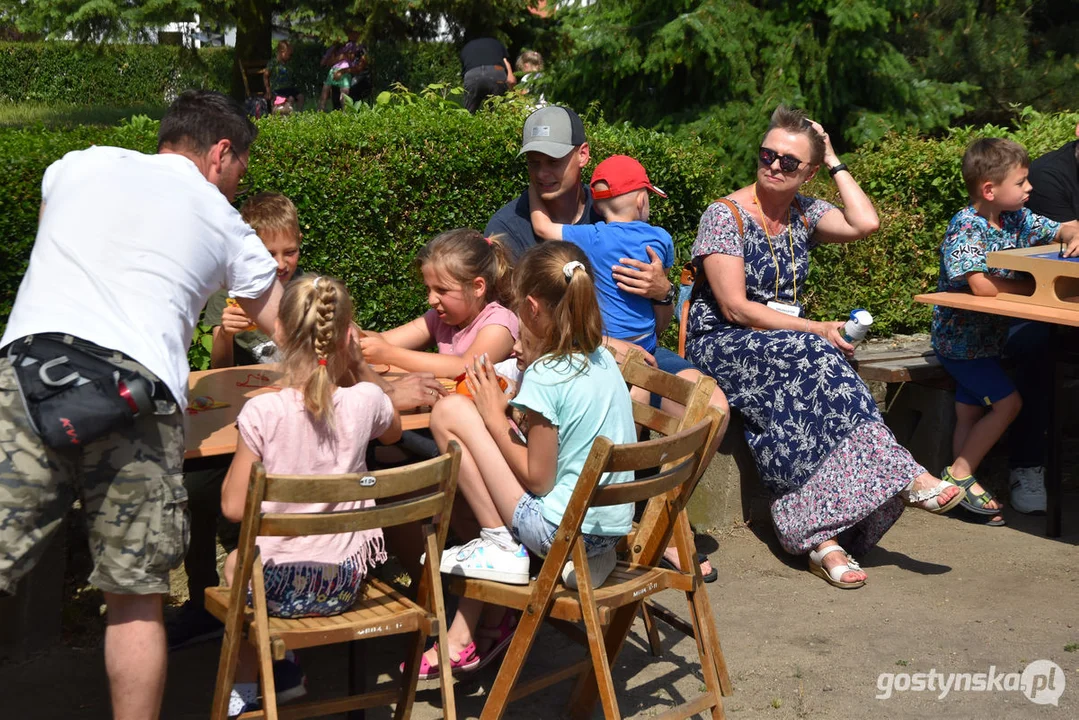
(833, 576)
(929, 500)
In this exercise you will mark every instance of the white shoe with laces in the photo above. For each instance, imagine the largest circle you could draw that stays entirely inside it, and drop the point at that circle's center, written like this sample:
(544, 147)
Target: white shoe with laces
(1027, 489)
(484, 559)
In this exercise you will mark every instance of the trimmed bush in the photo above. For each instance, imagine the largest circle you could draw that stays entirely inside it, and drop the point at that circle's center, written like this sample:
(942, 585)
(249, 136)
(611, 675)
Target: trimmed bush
(371, 187)
(72, 73)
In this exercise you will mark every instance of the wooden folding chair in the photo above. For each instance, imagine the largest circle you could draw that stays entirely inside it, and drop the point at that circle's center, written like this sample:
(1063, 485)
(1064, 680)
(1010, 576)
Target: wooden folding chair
(424, 492)
(250, 69)
(694, 397)
(608, 611)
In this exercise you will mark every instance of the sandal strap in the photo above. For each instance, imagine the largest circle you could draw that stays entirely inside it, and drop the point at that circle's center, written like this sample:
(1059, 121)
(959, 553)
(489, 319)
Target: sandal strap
(917, 496)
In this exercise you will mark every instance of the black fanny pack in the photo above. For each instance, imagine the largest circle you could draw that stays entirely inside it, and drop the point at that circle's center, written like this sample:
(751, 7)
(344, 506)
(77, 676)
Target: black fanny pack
(73, 394)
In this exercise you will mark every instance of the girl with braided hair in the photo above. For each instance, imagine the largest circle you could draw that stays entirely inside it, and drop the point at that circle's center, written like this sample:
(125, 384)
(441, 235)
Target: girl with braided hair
(319, 424)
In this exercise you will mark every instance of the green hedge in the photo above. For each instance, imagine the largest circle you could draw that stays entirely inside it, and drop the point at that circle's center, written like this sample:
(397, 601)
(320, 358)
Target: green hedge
(70, 73)
(373, 186)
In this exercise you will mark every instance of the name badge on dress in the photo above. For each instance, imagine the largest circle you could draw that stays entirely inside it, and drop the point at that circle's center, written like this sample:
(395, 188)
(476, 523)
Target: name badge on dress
(792, 310)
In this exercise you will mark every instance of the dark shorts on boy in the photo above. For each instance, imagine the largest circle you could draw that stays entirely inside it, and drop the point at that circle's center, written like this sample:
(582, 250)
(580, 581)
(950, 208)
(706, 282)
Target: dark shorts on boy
(130, 483)
(980, 382)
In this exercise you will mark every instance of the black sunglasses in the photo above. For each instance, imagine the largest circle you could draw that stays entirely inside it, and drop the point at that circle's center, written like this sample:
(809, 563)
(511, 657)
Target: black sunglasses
(787, 163)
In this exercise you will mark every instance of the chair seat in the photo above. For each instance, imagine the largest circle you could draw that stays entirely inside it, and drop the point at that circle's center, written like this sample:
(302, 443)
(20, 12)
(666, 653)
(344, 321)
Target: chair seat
(627, 583)
(381, 610)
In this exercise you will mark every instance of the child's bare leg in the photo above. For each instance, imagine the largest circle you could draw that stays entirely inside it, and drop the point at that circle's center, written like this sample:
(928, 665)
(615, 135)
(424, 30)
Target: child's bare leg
(983, 434)
(323, 98)
(485, 479)
(461, 631)
(965, 418)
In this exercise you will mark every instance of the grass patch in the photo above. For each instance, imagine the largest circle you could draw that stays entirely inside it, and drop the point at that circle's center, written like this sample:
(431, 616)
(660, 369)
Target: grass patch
(23, 114)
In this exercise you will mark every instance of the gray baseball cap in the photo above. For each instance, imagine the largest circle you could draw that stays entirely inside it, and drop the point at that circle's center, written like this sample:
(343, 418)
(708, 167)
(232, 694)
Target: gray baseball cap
(553, 131)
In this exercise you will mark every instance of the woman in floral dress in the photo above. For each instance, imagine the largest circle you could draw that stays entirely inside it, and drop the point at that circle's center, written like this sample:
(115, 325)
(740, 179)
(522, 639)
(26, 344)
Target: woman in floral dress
(835, 470)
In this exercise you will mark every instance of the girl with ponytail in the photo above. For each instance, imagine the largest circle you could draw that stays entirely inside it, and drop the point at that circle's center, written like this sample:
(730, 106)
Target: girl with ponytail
(319, 424)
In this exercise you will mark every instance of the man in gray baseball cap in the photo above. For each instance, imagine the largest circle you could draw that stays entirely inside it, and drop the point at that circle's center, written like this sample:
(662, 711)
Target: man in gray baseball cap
(557, 150)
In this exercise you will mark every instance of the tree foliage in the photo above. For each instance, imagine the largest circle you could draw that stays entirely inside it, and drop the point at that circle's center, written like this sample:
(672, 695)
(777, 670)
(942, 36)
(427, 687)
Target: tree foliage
(863, 68)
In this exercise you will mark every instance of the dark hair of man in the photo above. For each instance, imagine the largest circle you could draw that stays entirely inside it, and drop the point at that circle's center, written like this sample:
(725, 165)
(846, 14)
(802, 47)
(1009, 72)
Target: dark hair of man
(199, 119)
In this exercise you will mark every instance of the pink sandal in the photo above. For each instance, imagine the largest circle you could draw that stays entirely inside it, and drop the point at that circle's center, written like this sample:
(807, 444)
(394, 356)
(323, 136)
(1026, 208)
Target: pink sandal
(467, 662)
(502, 634)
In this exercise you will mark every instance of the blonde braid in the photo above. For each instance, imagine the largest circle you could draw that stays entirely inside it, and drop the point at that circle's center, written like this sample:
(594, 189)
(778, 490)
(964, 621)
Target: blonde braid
(318, 392)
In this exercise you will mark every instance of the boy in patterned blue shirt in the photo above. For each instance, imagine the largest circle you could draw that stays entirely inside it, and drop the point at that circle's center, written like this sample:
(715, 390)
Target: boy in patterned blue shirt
(969, 344)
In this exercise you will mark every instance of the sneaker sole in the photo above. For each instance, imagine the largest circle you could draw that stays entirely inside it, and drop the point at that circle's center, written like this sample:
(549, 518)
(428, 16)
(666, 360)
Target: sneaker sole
(485, 574)
(293, 693)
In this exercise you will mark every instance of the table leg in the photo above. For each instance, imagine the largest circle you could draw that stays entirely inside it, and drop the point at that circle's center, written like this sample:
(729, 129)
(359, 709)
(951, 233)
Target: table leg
(1054, 470)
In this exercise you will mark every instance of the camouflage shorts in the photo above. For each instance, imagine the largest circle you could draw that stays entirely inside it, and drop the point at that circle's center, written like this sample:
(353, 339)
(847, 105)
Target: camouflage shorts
(130, 483)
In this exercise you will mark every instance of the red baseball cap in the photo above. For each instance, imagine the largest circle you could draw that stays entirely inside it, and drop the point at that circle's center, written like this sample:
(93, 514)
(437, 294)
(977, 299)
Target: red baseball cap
(622, 174)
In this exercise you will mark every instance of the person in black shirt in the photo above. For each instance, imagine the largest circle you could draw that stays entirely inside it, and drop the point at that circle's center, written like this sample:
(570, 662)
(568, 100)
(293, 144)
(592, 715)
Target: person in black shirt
(486, 67)
(1055, 180)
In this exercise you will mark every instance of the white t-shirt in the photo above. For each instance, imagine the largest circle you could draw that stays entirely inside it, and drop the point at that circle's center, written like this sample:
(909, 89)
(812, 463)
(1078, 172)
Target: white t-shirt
(128, 250)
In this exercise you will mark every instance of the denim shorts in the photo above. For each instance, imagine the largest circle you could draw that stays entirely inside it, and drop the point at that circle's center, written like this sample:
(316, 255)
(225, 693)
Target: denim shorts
(537, 532)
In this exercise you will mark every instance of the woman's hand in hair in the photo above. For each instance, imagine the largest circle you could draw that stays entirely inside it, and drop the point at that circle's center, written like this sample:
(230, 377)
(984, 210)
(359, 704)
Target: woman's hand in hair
(830, 158)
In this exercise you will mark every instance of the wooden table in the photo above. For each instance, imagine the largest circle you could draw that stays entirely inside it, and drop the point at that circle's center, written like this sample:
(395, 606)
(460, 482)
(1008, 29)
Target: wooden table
(1054, 317)
(211, 434)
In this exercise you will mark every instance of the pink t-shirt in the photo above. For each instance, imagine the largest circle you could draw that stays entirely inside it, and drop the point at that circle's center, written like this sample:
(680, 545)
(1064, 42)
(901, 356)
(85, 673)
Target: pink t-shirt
(276, 426)
(454, 341)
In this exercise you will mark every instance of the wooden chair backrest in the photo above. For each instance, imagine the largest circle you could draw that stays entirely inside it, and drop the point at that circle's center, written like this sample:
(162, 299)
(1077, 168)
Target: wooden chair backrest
(681, 456)
(427, 484)
(253, 67)
(692, 396)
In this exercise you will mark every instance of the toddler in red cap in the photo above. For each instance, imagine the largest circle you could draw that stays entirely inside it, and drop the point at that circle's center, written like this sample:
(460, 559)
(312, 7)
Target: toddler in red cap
(620, 191)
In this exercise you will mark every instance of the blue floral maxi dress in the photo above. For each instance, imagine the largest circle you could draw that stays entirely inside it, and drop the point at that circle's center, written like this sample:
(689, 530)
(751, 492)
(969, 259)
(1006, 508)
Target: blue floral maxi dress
(821, 447)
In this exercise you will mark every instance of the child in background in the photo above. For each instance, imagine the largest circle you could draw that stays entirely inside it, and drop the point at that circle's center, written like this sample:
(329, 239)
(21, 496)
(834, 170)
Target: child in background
(571, 393)
(467, 275)
(530, 69)
(620, 192)
(969, 344)
(319, 424)
(235, 342)
(279, 81)
(337, 76)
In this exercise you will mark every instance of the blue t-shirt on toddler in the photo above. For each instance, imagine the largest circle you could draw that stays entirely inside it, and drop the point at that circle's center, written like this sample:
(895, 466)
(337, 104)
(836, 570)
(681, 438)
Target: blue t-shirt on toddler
(965, 334)
(584, 396)
(625, 316)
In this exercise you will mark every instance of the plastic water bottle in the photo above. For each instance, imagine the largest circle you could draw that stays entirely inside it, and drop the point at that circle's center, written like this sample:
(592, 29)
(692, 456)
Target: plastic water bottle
(855, 329)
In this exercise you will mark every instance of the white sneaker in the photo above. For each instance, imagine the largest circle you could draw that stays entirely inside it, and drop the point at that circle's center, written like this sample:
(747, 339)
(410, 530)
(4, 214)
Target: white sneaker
(485, 559)
(599, 567)
(1028, 489)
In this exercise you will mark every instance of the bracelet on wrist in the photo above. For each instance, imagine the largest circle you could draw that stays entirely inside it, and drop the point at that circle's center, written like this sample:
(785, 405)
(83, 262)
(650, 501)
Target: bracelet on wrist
(837, 169)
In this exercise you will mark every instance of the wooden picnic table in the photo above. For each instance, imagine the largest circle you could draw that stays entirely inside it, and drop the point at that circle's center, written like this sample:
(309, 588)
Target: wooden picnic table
(1055, 317)
(211, 433)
